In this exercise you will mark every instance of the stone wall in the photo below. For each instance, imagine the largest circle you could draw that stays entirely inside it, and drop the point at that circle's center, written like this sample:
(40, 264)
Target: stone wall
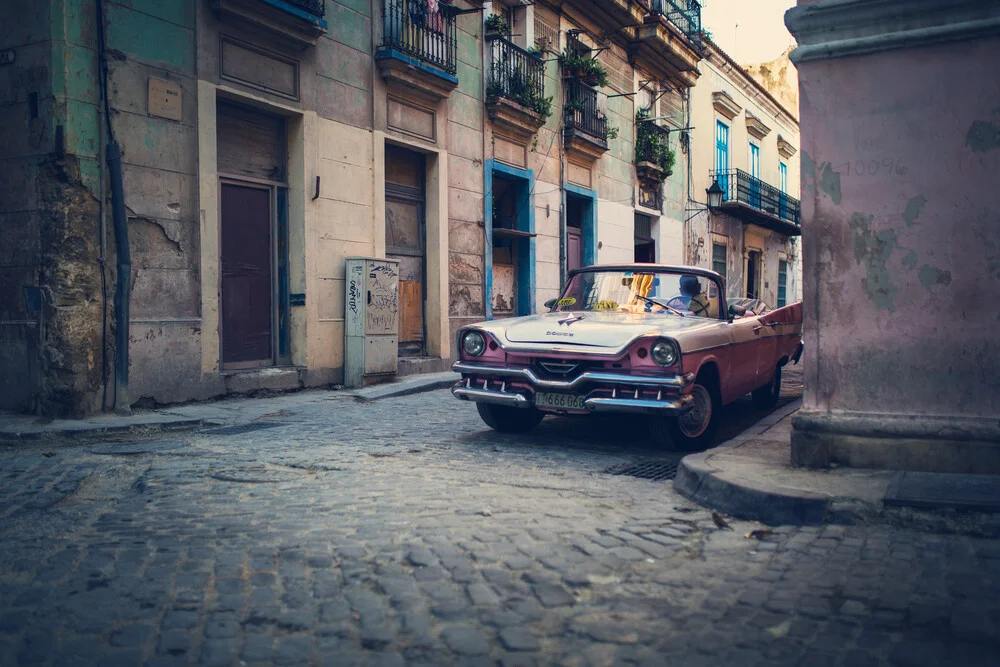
(51, 314)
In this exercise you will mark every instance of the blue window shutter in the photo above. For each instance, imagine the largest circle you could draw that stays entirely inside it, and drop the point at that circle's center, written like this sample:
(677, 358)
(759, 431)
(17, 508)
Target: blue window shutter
(722, 156)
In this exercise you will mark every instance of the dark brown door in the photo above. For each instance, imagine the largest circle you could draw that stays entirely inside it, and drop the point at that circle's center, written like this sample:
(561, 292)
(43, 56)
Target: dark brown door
(246, 276)
(753, 274)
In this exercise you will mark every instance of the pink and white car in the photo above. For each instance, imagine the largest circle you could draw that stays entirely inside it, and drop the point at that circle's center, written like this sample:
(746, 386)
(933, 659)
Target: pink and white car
(645, 339)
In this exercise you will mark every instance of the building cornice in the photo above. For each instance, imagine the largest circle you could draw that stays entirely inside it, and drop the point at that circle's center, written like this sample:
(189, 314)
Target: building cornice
(733, 70)
(756, 127)
(725, 104)
(840, 28)
(786, 149)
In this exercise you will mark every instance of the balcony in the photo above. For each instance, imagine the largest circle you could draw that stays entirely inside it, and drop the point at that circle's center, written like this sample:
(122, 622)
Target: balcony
(515, 89)
(684, 14)
(585, 127)
(418, 48)
(754, 201)
(612, 15)
(669, 39)
(295, 23)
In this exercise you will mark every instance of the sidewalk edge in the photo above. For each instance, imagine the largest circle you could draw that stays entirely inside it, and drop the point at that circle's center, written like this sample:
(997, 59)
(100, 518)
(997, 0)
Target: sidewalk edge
(705, 484)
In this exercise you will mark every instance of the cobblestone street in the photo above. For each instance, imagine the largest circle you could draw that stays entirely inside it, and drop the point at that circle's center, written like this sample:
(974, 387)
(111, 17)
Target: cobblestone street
(402, 531)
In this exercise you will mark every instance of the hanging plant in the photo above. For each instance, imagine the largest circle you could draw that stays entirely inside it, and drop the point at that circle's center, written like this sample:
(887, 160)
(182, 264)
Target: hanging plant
(652, 146)
(497, 25)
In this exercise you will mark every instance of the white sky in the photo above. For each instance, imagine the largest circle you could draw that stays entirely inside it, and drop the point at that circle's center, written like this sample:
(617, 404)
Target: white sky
(761, 34)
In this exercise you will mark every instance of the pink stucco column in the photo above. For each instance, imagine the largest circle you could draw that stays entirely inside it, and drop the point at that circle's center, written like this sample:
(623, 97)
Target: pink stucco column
(900, 135)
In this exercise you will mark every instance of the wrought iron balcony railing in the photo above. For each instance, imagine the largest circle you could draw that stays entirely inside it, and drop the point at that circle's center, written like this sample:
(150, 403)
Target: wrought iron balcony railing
(581, 111)
(516, 75)
(651, 141)
(427, 36)
(315, 8)
(740, 187)
(685, 14)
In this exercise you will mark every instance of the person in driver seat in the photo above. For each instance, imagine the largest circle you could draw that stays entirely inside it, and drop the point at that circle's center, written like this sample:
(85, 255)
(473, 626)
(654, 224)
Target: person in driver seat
(692, 297)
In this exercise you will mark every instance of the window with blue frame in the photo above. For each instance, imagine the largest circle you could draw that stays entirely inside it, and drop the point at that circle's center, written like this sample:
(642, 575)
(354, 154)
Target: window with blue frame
(783, 198)
(782, 282)
(722, 157)
(754, 175)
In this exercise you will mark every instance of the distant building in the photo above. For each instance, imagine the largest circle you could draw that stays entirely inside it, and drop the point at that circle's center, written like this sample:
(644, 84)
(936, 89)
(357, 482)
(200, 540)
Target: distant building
(747, 142)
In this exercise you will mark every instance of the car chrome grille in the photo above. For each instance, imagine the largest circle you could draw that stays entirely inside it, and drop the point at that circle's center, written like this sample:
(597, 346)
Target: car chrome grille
(559, 367)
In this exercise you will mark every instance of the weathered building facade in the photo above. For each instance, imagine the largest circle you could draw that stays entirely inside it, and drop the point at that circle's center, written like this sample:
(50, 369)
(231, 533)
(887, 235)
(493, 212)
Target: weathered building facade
(265, 141)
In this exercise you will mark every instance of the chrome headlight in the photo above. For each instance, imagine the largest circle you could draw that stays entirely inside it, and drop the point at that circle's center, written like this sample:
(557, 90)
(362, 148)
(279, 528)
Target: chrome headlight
(473, 343)
(664, 353)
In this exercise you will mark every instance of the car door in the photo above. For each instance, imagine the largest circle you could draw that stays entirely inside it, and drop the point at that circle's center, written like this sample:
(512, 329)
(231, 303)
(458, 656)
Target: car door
(743, 357)
(766, 335)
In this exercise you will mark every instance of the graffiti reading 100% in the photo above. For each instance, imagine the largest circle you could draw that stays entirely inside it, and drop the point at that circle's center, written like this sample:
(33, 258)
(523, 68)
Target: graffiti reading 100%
(888, 167)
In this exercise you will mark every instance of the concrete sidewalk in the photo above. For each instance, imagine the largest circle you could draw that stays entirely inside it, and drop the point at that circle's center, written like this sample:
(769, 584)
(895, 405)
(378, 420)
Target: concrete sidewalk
(224, 412)
(751, 477)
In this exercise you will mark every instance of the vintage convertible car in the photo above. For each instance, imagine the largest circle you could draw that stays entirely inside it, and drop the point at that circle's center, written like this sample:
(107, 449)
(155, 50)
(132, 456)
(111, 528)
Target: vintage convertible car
(638, 338)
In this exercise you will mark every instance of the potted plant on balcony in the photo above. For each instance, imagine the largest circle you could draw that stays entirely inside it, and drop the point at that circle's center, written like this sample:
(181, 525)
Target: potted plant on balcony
(654, 161)
(587, 70)
(496, 26)
(593, 73)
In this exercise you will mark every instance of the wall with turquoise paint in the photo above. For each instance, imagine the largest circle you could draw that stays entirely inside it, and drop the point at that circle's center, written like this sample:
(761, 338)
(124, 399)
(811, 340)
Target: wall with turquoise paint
(153, 39)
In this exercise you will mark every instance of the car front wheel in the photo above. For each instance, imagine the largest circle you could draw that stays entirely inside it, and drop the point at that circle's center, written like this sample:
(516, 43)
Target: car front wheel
(509, 420)
(696, 428)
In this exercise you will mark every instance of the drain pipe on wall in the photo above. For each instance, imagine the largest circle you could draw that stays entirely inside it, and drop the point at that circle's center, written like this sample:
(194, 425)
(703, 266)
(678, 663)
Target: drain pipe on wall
(120, 221)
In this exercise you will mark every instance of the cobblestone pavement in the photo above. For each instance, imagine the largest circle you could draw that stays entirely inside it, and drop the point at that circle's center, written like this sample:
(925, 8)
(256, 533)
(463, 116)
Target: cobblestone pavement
(402, 532)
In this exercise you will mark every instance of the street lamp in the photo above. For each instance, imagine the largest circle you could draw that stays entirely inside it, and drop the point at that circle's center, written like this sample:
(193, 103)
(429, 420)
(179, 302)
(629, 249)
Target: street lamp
(714, 195)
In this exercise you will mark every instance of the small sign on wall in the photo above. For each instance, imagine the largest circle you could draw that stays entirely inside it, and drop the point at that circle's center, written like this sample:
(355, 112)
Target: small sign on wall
(164, 99)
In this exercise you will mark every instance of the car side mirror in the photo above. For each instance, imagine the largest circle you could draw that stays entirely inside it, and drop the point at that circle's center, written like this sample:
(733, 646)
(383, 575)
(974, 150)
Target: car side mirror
(736, 311)
(550, 304)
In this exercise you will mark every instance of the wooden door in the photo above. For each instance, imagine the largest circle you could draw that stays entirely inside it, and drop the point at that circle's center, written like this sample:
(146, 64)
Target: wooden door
(574, 248)
(247, 312)
(405, 241)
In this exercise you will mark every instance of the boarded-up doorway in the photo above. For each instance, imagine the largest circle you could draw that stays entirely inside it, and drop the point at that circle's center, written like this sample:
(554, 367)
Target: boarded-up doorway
(405, 240)
(251, 166)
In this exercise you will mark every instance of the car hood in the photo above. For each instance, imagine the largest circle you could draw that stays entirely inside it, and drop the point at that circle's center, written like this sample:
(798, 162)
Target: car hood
(592, 329)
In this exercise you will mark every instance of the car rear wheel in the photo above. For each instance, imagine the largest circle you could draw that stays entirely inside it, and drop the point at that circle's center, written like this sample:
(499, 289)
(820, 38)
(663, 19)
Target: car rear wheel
(696, 428)
(766, 397)
(509, 420)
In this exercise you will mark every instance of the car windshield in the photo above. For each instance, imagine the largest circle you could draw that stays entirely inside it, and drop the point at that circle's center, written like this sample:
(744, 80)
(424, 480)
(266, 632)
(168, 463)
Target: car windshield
(669, 293)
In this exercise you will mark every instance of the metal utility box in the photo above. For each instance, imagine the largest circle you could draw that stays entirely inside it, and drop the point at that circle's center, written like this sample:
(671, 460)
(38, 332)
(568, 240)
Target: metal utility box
(371, 320)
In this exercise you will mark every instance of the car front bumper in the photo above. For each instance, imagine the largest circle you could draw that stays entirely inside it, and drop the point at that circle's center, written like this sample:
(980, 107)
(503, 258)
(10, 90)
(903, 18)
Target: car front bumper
(629, 393)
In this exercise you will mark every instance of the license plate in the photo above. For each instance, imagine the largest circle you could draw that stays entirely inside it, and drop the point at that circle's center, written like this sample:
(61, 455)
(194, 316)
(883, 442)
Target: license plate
(559, 401)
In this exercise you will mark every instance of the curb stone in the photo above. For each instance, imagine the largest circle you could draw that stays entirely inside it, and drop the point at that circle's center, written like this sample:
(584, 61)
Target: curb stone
(172, 422)
(705, 484)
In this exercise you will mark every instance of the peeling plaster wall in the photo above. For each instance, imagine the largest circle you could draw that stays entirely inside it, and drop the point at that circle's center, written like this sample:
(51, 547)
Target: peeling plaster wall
(150, 39)
(780, 78)
(51, 344)
(899, 162)
(465, 126)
